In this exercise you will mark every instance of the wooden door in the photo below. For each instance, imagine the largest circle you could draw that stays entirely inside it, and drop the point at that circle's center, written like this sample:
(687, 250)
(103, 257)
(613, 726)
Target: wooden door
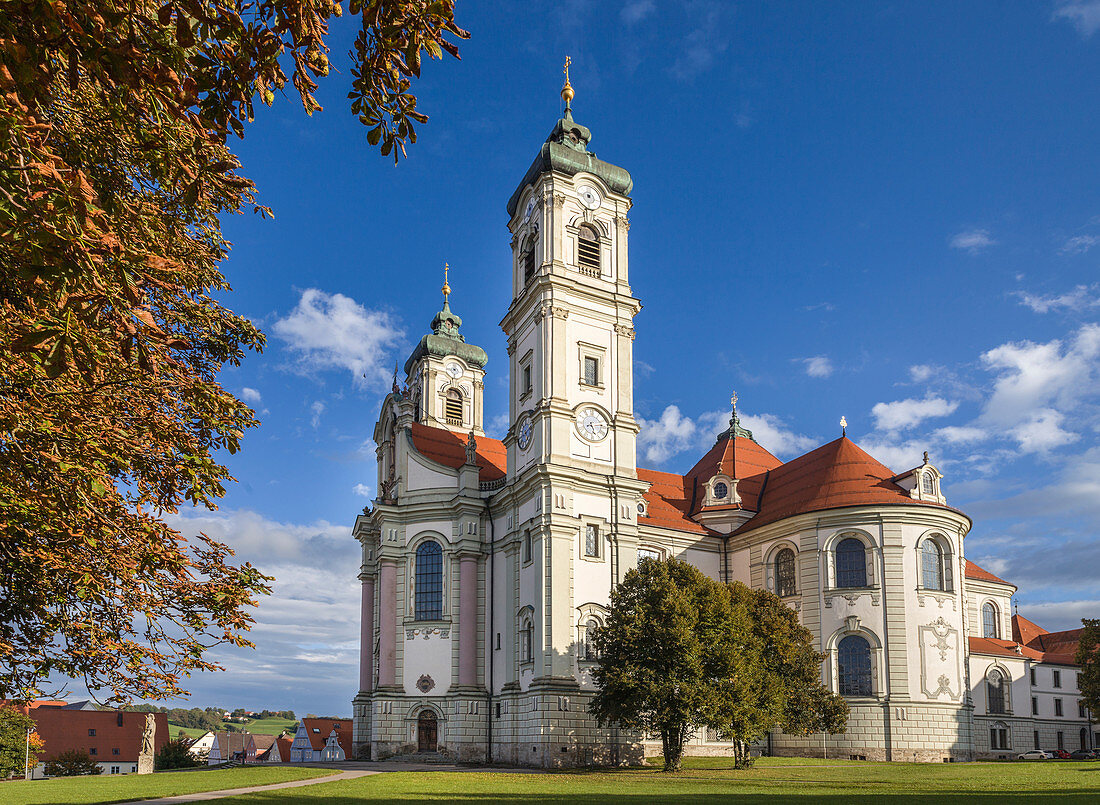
(426, 731)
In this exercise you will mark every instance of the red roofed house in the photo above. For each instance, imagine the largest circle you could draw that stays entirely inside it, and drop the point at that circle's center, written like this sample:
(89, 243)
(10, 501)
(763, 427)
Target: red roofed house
(1023, 678)
(321, 740)
(114, 739)
(486, 564)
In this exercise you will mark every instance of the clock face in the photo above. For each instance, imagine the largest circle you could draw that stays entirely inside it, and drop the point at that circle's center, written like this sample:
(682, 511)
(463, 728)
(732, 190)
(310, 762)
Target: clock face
(592, 424)
(530, 209)
(589, 196)
(454, 370)
(525, 434)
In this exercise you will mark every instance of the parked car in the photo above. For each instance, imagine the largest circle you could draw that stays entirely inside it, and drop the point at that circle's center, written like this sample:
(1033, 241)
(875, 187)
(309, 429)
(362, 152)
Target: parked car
(1060, 754)
(1033, 754)
(1083, 754)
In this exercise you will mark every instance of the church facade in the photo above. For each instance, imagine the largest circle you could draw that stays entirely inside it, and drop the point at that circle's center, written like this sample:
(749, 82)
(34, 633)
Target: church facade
(487, 564)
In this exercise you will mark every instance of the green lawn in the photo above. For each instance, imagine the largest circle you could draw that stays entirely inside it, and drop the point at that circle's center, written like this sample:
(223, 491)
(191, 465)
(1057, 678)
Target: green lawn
(712, 780)
(129, 787)
(259, 726)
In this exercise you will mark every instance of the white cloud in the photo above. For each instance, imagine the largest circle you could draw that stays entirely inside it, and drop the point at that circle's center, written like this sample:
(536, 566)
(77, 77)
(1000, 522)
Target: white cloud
(703, 43)
(673, 433)
(961, 434)
(769, 432)
(498, 426)
(1039, 376)
(972, 240)
(909, 413)
(362, 490)
(1080, 298)
(922, 372)
(317, 408)
(818, 366)
(636, 11)
(662, 438)
(333, 331)
(1084, 14)
(898, 456)
(1057, 616)
(250, 396)
(1079, 244)
(1042, 432)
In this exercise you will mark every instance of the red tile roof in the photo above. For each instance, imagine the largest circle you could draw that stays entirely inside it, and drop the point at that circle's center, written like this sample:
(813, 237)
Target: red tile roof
(739, 458)
(834, 476)
(283, 745)
(1002, 648)
(668, 501)
(449, 449)
(324, 728)
(1024, 631)
(62, 730)
(981, 574)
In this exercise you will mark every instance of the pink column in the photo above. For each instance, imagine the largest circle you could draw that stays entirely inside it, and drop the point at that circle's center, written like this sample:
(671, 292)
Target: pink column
(387, 623)
(366, 636)
(467, 620)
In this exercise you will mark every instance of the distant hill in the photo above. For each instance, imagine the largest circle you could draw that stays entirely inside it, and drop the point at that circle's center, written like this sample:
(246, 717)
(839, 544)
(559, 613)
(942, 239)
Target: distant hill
(261, 726)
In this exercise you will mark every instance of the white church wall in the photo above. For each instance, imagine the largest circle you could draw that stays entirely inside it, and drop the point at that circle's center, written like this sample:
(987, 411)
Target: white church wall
(422, 476)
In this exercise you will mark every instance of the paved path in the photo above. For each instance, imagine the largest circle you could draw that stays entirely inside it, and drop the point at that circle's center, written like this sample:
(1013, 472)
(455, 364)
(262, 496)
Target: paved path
(205, 796)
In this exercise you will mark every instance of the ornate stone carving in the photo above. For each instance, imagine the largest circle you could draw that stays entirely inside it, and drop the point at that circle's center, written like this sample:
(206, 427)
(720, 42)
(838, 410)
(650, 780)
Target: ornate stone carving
(940, 659)
(559, 200)
(425, 684)
(426, 634)
(624, 222)
(625, 331)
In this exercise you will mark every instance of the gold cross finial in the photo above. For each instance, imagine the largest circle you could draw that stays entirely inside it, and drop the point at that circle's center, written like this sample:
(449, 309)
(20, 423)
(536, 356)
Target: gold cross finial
(567, 89)
(446, 287)
(733, 400)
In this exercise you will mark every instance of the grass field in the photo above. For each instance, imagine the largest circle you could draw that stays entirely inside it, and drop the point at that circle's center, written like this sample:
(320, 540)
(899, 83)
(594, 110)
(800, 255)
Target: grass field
(712, 780)
(129, 787)
(259, 726)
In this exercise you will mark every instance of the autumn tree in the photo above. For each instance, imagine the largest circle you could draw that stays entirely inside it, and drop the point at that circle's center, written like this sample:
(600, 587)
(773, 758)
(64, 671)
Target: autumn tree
(1088, 657)
(115, 168)
(15, 742)
(174, 755)
(72, 763)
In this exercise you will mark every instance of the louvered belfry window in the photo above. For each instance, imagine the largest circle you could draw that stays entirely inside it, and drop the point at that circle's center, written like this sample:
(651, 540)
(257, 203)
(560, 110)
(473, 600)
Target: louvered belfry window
(453, 407)
(529, 262)
(588, 249)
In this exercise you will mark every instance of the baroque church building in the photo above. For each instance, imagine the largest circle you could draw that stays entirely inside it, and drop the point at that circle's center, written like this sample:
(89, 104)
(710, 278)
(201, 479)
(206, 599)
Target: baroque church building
(486, 564)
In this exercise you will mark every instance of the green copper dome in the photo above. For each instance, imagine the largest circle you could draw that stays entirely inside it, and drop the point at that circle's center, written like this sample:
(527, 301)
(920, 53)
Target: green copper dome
(445, 339)
(566, 151)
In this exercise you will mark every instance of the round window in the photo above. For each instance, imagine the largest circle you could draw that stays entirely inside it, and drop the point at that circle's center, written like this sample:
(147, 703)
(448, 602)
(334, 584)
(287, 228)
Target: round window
(641, 508)
(720, 490)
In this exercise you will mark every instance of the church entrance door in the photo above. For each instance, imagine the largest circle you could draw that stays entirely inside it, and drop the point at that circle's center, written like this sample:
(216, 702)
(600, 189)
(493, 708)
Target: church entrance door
(426, 731)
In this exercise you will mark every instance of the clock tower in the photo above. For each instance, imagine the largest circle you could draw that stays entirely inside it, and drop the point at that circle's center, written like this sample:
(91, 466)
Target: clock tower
(446, 375)
(571, 445)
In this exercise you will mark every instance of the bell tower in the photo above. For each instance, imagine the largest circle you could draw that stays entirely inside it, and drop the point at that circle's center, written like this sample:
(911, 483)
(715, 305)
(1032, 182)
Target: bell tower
(570, 325)
(572, 442)
(446, 375)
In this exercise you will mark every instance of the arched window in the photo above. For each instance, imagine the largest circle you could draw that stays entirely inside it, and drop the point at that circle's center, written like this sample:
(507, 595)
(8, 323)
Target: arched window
(1084, 739)
(989, 621)
(525, 641)
(588, 249)
(995, 691)
(998, 735)
(528, 260)
(928, 483)
(932, 570)
(452, 407)
(590, 639)
(429, 582)
(853, 663)
(784, 573)
(851, 563)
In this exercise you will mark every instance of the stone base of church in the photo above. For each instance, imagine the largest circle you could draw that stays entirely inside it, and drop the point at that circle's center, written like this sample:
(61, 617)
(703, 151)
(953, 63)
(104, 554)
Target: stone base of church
(910, 732)
(547, 730)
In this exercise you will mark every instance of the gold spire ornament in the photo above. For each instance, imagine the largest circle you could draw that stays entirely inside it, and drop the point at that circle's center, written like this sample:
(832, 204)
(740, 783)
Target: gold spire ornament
(567, 89)
(446, 286)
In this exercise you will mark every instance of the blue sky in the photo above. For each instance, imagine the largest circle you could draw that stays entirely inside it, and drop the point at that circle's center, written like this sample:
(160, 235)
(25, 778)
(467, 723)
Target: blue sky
(887, 211)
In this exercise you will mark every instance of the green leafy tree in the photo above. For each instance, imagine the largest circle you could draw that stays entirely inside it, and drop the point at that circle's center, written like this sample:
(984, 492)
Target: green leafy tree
(14, 726)
(667, 654)
(681, 652)
(72, 763)
(174, 755)
(1088, 657)
(114, 175)
(782, 684)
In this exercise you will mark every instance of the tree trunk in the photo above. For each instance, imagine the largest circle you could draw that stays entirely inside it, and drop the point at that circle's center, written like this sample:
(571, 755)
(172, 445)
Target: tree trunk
(672, 742)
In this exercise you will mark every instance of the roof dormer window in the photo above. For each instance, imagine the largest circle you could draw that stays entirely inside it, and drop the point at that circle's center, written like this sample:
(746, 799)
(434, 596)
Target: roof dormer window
(928, 484)
(720, 491)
